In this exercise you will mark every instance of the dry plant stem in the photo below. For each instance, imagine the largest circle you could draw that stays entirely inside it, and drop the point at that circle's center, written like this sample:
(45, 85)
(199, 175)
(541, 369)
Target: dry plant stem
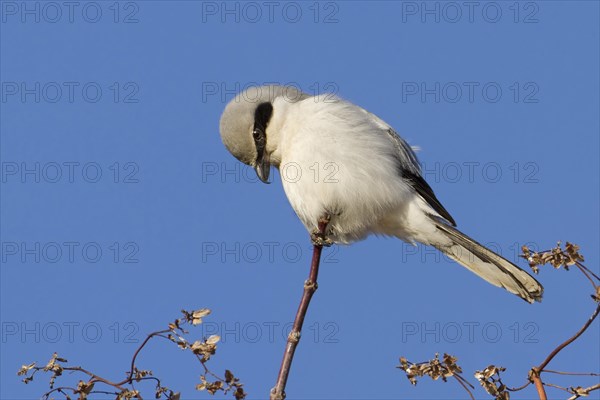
(543, 365)
(464, 386)
(96, 378)
(310, 286)
(129, 379)
(590, 389)
(537, 381)
(585, 271)
(557, 387)
(520, 387)
(580, 265)
(535, 372)
(549, 371)
(137, 352)
(117, 385)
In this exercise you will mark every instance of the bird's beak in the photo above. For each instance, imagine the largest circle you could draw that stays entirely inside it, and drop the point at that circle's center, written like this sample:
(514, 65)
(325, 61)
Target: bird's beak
(263, 168)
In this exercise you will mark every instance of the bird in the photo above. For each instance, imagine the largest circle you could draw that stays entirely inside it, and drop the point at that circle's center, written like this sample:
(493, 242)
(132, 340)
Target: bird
(337, 159)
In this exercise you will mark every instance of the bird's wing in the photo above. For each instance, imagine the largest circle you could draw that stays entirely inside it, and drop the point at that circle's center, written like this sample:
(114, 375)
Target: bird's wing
(425, 191)
(410, 169)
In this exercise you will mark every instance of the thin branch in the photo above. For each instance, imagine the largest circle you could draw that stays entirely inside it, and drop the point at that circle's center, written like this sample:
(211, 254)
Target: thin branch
(96, 378)
(587, 269)
(103, 392)
(229, 383)
(310, 286)
(148, 378)
(458, 376)
(208, 371)
(569, 341)
(59, 390)
(583, 271)
(557, 387)
(535, 372)
(519, 388)
(570, 373)
(129, 379)
(460, 380)
(537, 381)
(588, 390)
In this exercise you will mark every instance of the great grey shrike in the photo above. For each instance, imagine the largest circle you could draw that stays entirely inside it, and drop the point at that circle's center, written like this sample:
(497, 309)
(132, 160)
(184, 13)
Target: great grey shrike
(337, 159)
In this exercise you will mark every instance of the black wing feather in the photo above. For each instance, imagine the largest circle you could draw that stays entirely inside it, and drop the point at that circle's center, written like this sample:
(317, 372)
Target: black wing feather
(410, 170)
(425, 191)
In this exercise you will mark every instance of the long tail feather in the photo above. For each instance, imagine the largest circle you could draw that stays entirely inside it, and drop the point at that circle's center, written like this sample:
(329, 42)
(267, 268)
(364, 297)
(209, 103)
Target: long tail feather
(488, 265)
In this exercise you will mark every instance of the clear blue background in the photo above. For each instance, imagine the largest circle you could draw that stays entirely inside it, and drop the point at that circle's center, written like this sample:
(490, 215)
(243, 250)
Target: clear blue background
(173, 212)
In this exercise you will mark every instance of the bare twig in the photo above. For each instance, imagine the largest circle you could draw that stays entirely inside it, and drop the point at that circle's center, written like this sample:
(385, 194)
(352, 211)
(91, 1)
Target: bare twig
(96, 378)
(585, 271)
(584, 392)
(137, 352)
(569, 341)
(570, 373)
(60, 390)
(535, 372)
(557, 257)
(464, 384)
(557, 387)
(203, 350)
(310, 286)
(588, 270)
(537, 381)
(519, 388)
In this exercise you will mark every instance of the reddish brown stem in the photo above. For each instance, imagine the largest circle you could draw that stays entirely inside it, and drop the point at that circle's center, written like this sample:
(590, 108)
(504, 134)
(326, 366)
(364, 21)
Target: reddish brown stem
(537, 381)
(570, 340)
(535, 372)
(464, 386)
(580, 265)
(310, 286)
(96, 378)
(571, 373)
(129, 378)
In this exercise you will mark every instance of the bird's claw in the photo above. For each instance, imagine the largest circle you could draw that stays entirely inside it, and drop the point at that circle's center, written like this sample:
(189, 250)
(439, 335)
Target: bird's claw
(324, 219)
(320, 239)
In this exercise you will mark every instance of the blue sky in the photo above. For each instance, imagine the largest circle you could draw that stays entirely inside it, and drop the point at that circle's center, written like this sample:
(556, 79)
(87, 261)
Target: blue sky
(121, 206)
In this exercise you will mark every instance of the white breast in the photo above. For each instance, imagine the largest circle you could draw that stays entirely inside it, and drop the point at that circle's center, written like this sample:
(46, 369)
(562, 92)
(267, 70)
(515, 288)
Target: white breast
(338, 160)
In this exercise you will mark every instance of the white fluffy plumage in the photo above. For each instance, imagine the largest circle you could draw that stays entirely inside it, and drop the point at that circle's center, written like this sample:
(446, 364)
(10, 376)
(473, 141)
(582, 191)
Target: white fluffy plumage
(338, 159)
(327, 164)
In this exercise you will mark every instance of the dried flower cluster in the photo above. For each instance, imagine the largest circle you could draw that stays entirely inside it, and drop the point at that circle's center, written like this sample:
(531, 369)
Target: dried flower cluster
(490, 379)
(579, 391)
(556, 257)
(230, 383)
(53, 366)
(202, 349)
(434, 368)
(566, 258)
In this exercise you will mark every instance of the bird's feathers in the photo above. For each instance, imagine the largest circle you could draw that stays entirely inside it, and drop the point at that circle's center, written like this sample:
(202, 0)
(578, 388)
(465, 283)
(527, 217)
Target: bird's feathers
(409, 167)
(426, 192)
(337, 158)
(486, 264)
(237, 119)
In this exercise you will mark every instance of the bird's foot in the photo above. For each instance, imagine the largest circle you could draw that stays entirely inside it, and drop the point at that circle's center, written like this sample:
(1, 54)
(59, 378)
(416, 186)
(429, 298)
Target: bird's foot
(324, 220)
(319, 238)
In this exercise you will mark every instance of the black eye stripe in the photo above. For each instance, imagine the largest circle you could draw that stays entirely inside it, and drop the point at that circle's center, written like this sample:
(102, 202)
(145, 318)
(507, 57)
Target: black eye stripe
(262, 115)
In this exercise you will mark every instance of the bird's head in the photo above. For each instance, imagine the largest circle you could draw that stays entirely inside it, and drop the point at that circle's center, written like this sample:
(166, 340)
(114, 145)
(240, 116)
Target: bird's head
(245, 120)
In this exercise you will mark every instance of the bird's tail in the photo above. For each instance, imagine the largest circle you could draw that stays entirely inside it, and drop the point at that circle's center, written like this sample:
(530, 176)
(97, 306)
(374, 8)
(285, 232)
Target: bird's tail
(488, 265)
